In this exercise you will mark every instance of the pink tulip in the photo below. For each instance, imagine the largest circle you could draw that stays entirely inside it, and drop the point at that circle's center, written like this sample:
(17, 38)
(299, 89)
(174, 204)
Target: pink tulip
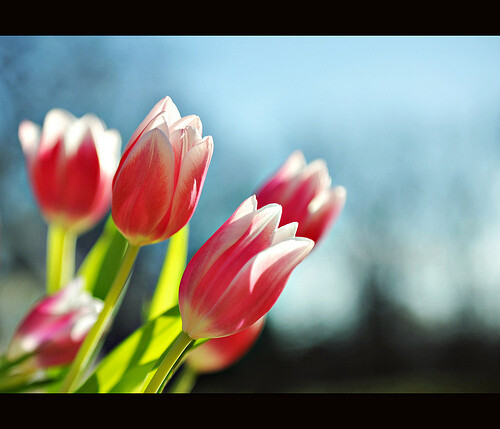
(55, 327)
(305, 193)
(159, 180)
(71, 163)
(218, 354)
(238, 274)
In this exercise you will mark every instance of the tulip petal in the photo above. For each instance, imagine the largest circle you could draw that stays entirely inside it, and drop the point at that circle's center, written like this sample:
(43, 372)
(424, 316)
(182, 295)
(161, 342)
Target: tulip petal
(302, 189)
(165, 105)
(225, 237)
(54, 126)
(324, 210)
(159, 121)
(29, 136)
(253, 230)
(193, 171)
(55, 326)
(108, 147)
(188, 121)
(222, 271)
(182, 140)
(278, 183)
(246, 207)
(81, 172)
(252, 292)
(45, 180)
(143, 186)
(286, 231)
(78, 130)
(69, 180)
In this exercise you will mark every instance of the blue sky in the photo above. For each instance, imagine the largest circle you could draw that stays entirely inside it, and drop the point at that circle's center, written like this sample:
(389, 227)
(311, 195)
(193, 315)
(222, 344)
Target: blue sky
(409, 125)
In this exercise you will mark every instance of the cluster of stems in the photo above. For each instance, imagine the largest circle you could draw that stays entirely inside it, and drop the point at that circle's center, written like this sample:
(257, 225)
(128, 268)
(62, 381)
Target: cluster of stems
(60, 269)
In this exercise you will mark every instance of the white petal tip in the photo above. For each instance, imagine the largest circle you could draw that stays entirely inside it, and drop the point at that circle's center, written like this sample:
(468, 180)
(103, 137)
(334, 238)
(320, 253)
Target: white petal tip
(340, 192)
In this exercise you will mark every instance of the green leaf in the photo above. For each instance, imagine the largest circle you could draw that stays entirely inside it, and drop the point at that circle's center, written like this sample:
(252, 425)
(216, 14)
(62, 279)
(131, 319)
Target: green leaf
(131, 364)
(166, 293)
(102, 262)
(129, 367)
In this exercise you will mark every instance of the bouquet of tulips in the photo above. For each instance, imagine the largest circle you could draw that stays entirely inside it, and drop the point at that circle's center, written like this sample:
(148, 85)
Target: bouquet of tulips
(205, 313)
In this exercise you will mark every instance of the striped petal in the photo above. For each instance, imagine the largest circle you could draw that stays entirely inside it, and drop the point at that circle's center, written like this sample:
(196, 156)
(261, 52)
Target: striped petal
(165, 105)
(81, 171)
(143, 187)
(55, 123)
(323, 211)
(225, 237)
(193, 171)
(252, 292)
(222, 271)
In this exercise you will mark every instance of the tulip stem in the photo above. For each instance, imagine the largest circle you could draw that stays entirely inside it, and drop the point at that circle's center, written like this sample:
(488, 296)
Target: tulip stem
(89, 346)
(175, 351)
(61, 246)
(167, 288)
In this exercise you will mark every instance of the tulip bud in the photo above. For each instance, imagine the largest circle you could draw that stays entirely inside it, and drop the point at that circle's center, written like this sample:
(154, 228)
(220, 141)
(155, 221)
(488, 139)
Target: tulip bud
(304, 192)
(70, 164)
(161, 174)
(55, 327)
(218, 354)
(238, 274)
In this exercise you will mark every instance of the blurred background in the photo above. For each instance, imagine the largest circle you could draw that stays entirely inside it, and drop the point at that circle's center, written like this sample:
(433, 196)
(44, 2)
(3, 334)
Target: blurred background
(403, 295)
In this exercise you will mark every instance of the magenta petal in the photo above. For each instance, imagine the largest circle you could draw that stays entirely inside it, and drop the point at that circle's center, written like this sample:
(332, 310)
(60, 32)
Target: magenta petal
(225, 237)
(244, 234)
(257, 237)
(143, 187)
(55, 327)
(251, 293)
(81, 172)
(298, 187)
(69, 163)
(323, 211)
(277, 185)
(193, 171)
(165, 105)
(46, 180)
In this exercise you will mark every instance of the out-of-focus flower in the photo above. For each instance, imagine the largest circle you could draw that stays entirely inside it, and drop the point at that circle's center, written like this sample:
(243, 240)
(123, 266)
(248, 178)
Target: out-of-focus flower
(70, 163)
(238, 274)
(218, 354)
(305, 193)
(55, 327)
(161, 174)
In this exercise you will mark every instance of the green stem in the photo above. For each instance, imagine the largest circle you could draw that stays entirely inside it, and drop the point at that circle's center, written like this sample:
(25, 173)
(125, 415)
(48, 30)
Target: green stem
(176, 350)
(167, 288)
(87, 349)
(61, 245)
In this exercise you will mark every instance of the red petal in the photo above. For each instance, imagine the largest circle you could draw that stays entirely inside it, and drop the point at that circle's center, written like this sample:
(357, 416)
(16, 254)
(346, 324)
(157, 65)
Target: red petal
(143, 187)
(256, 288)
(193, 171)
